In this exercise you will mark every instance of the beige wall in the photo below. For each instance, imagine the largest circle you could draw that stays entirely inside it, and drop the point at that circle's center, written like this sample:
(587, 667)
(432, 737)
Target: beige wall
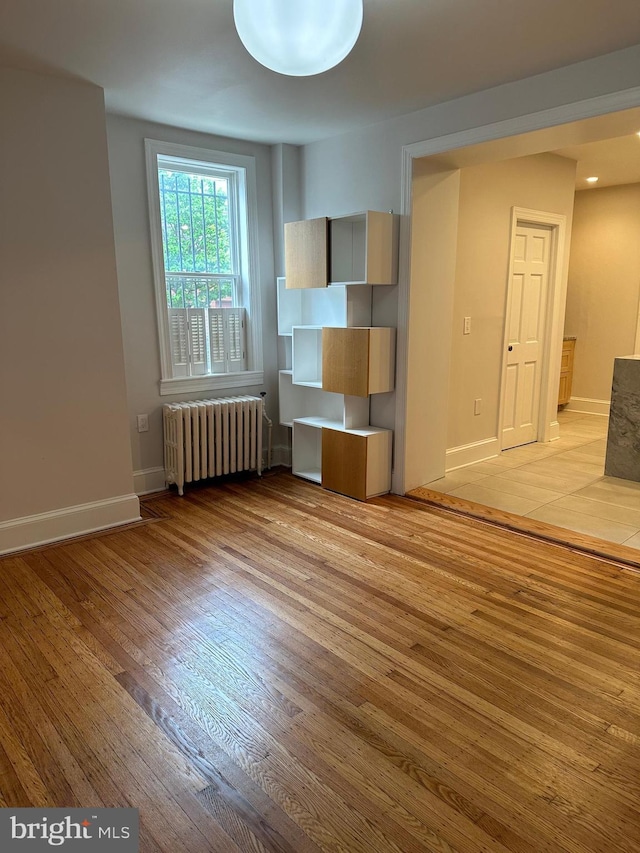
(434, 220)
(63, 418)
(604, 284)
(542, 182)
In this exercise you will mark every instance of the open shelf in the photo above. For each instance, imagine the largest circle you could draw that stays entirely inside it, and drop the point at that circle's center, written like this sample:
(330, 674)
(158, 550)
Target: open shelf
(298, 400)
(330, 306)
(307, 355)
(363, 248)
(307, 451)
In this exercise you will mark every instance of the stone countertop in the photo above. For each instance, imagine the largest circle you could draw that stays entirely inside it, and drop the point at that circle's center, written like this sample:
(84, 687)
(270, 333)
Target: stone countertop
(569, 338)
(623, 439)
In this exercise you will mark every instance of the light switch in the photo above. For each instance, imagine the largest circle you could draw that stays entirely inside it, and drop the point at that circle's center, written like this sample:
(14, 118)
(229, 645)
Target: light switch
(467, 326)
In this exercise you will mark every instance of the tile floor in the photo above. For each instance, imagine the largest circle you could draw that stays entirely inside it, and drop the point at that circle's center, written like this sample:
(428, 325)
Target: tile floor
(561, 483)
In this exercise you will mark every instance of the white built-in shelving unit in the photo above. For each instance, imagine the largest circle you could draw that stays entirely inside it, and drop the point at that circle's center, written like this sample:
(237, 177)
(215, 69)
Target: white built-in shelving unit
(333, 442)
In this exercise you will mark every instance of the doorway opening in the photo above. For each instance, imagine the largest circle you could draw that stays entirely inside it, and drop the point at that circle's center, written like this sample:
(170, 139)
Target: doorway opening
(442, 332)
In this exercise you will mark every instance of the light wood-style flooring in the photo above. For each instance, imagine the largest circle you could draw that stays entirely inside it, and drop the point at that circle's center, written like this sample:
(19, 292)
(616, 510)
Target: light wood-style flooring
(266, 666)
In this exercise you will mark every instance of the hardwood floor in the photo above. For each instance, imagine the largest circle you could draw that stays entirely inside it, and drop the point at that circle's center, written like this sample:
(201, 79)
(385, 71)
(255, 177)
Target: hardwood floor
(266, 666)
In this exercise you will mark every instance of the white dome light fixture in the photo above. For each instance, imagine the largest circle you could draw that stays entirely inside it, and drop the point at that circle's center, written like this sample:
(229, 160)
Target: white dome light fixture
(298, 38)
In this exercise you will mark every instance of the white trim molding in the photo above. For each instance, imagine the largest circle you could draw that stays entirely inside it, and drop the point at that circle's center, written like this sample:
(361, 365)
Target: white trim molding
(17, 534)
(245, 168)
(588, 406)
(281, 455)
(149, 480)
(564, 114)
(213, 382)
(469, 454)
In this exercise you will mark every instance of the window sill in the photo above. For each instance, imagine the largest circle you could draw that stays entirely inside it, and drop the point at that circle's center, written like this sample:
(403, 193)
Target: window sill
(216, 382)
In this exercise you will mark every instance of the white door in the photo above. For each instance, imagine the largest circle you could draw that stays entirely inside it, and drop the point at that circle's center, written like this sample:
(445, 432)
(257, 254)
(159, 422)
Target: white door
(526, 312)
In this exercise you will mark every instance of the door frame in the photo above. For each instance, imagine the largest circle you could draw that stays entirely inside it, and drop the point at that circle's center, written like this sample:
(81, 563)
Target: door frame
(408, 469)
(548, 427)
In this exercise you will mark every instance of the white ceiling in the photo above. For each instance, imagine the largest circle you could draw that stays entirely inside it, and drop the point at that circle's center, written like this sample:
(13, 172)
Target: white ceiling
(612, 161)
(180, 62)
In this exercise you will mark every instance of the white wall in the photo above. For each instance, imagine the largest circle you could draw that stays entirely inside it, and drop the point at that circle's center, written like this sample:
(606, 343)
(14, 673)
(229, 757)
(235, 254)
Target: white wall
(604, 285)
(544, 182)
(63, 428)
(135, 275)
(287, 203)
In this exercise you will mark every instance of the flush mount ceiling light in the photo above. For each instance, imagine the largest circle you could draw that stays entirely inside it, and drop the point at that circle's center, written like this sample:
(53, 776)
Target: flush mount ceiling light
(298, 37)
(592, 180)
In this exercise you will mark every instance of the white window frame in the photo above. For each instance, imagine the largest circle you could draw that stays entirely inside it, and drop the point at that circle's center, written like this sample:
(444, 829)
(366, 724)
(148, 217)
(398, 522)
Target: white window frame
(247, 218)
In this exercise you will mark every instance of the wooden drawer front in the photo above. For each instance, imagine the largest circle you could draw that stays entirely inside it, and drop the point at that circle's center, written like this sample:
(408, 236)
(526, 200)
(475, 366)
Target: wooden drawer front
(306, 253)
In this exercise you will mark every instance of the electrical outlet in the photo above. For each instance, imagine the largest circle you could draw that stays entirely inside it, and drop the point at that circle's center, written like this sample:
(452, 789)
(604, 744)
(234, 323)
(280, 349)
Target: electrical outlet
(477, 406)
(143, 423)
(467, 326)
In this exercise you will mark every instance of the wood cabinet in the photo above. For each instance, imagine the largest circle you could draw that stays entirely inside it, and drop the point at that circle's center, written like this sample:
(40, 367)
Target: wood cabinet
(566, 371)
(358, 361)
(361, 248)
(353, 462)
(356, 463)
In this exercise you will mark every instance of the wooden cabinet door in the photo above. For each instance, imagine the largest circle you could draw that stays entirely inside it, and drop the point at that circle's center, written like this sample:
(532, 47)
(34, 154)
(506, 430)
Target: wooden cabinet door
(306, 252)
(345, 361)
(358, 463)
(564, 392)
(358, 361)
(566, 372)
(344, 463)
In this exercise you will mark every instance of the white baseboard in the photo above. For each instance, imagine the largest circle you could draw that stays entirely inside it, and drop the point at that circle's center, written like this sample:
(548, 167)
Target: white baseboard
(32, 530)
(588, 406)
(281, 455)
(554, 430)
(149, 480)
(468, 454)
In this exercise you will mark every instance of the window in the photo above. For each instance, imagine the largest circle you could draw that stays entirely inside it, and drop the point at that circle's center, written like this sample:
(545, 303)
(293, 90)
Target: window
(202, 213)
